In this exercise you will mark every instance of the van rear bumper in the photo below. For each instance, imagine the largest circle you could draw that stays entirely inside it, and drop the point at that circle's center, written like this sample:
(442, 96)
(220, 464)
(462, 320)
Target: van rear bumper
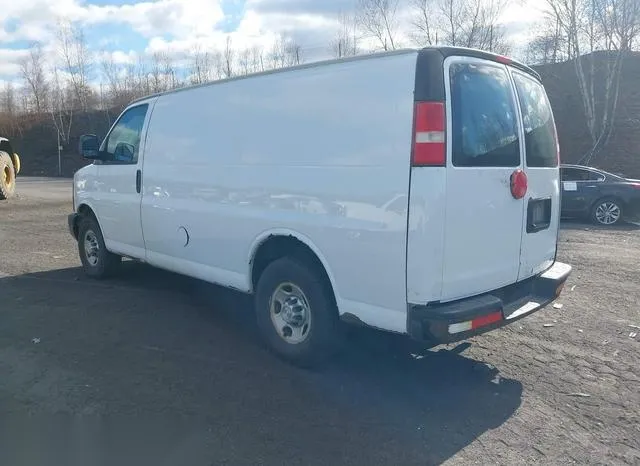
(459, 320)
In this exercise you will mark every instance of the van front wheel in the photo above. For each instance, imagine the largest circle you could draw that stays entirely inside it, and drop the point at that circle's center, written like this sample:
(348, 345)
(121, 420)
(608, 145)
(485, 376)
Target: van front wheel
(97, 262)
(296, 313)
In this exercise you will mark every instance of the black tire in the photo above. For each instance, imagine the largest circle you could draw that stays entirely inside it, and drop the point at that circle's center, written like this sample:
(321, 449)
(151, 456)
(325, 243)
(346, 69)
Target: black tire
(609, 202)
(325, 333)
(102, 263)
(7, 177)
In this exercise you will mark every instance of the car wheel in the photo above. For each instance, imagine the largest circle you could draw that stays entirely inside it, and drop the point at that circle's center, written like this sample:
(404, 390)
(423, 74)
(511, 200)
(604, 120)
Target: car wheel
(296, 313)
(97, 262)
(607, 212)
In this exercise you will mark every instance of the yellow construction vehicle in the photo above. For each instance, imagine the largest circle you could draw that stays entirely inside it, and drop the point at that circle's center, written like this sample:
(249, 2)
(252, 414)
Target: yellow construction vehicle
(9, 168)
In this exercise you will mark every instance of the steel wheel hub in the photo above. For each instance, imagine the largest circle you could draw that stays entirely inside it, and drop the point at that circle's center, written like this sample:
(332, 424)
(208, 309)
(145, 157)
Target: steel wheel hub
(608, 213)
(91, 248)
(290, 313)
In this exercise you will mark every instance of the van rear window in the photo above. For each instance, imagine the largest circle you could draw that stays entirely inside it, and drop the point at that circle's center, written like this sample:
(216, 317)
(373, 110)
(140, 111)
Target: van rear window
(485, 127)
(539, 131)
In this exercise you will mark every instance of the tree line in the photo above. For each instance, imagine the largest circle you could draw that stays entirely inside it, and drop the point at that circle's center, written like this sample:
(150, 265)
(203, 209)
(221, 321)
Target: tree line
(77, 79)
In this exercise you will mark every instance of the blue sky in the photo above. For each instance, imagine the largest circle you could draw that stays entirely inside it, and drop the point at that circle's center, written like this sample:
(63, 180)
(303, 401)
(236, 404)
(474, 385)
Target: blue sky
(128, 29)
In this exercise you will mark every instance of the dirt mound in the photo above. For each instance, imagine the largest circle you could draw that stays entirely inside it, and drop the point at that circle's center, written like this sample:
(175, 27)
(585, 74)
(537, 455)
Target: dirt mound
(37, 143)
(622, 154)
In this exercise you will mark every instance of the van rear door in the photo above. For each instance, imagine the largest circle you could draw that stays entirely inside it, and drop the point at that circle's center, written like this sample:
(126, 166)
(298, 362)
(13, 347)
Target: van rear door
(484, 203)
(542, 208)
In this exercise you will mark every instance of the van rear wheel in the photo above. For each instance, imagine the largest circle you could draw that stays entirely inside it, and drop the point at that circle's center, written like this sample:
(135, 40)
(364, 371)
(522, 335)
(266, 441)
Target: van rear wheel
(296, 313)
(97, 262)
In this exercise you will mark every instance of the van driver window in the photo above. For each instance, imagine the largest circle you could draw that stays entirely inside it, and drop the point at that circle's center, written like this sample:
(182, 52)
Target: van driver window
(123, 142)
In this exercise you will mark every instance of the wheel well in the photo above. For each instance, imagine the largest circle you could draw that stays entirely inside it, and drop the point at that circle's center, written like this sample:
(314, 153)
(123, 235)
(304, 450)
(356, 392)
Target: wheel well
(84, 211)
(278, 246)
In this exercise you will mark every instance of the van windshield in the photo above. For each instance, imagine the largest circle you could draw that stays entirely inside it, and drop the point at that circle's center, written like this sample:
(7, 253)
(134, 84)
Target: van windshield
(537, 118)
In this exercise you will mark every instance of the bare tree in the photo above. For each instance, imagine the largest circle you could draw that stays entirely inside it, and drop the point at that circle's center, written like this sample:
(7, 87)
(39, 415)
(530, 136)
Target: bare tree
(378, 19)
(158, 81)
(466, 23)
(293, 52)
(244, 61)
(61, 108)
(483, 30)
(345, 43)
(11, 123)
(201, 65)
(129, 81)
(118, 82)
(285, 52)
(169, 70)
(76, 58)
(251, 60)
(32, 69)
(143, 81)
(8, 101)
(425, 25)
(548, 46)
(258, 59)
(110, 75)
(453, 14)
(228, 57)
(611, 26)
(278, 54)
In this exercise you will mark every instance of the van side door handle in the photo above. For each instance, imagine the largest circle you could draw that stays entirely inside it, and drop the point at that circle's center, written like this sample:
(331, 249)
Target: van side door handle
(138, 180)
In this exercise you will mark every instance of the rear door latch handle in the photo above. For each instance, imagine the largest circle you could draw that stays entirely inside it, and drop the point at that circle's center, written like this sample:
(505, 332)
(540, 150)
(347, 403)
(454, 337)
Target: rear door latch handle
(138, 181)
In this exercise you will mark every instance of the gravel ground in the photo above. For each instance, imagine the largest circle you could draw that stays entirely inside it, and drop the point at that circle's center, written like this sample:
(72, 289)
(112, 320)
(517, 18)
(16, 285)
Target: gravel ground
(154, 368)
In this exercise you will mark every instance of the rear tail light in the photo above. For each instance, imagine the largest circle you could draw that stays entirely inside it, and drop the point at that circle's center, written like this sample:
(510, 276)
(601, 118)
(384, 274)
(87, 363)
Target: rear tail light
(519, 184)
(429, 136)
(504, 60)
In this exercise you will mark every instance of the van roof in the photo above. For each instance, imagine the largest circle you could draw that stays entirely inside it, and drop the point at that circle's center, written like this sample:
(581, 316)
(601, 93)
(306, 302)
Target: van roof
(476, 53)
(444, 52)
(282, 70)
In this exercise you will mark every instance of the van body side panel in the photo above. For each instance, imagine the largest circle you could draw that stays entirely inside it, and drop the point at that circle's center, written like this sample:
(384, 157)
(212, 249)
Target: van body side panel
(322, 151)
(425, 235)
(425, 229)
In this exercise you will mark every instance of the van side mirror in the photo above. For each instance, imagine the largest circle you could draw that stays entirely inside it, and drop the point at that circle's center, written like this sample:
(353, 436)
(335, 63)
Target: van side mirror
(89, 146)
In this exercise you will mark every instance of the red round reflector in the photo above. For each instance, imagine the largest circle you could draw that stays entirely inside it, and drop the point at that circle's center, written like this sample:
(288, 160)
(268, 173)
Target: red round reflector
(518, 184)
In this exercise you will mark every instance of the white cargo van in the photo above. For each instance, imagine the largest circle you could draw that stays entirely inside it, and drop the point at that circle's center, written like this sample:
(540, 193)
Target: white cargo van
(415, 191)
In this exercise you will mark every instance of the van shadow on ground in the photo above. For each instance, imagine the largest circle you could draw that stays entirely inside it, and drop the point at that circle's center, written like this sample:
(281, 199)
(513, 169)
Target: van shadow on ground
(154, 345)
